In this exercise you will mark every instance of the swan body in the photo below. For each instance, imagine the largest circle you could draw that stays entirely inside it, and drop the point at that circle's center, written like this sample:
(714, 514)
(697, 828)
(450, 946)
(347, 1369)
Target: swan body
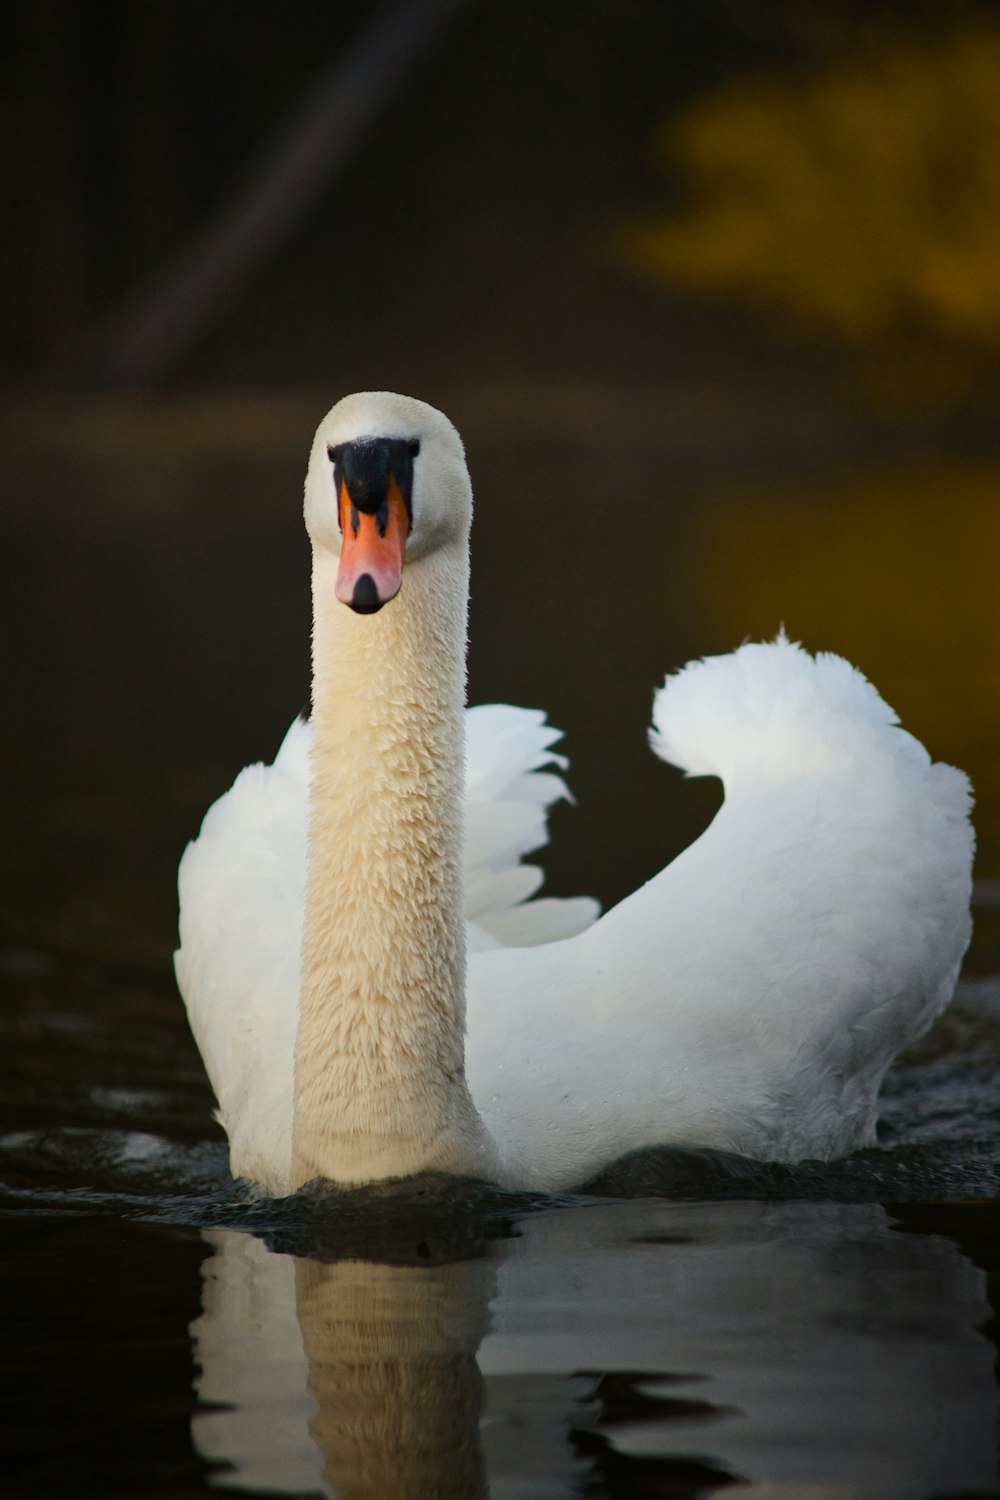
(372, 989)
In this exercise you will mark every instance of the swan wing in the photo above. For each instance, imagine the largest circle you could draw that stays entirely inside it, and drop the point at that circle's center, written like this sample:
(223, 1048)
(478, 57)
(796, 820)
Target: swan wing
(242, 905)
(242, 900)
(752, 995)
(509, 790)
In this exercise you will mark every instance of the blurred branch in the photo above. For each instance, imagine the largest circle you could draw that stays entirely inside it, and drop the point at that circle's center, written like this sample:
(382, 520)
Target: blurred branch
(855, 203)
(145, 338)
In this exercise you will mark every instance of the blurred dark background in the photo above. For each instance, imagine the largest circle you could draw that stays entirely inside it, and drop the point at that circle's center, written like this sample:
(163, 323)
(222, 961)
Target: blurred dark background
(710, 287)
(467, 224)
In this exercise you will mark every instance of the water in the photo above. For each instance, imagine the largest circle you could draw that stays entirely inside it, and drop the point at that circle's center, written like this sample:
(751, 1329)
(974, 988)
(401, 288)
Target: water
(689, 1324)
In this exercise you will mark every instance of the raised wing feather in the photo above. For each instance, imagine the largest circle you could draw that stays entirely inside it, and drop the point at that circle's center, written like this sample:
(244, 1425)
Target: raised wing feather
(508, 795)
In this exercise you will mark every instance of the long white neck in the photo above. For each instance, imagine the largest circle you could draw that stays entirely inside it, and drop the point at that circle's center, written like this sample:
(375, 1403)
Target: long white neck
(379, 1060)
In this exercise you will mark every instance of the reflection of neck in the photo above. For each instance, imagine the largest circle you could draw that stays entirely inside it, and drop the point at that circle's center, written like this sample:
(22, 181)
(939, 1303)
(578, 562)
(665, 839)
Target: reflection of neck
(392, 1366)
(379, 1063)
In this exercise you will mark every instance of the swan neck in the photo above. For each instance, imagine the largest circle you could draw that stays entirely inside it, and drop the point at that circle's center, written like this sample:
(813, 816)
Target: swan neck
(379, 1069)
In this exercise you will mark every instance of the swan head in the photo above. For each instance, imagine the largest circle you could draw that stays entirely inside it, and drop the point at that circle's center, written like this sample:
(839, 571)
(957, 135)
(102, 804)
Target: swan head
(387, 485)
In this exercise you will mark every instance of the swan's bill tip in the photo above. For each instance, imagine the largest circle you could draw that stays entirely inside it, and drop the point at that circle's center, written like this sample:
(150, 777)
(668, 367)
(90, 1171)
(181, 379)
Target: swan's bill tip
(365, 599)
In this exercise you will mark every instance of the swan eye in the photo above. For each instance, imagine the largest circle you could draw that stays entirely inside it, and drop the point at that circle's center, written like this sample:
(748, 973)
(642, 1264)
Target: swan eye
(333, 453)
(414, 447)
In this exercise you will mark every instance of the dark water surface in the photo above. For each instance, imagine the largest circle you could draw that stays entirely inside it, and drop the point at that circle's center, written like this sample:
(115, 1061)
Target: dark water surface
(688, 1325)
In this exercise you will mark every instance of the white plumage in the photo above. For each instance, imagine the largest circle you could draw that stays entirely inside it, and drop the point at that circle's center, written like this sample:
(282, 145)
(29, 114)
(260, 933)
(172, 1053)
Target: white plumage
(750, 997)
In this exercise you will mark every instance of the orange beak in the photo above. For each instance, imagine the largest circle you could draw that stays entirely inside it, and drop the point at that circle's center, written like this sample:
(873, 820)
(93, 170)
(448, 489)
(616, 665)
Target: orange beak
(371, 551)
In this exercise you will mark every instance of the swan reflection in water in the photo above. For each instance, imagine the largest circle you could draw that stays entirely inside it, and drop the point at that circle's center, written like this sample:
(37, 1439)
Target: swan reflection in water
(774, 1344)
(352, 1378)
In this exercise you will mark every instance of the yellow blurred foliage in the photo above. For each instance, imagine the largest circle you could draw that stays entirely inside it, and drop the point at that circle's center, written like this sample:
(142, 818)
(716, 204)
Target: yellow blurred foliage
(897, 570)
(861, 201)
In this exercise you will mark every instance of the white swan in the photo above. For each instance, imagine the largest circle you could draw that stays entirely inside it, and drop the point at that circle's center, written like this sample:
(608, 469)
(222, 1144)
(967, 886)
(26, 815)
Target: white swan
(749, 998)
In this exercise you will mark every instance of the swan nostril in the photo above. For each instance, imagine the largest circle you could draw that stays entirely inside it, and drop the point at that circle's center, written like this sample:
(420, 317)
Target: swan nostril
(365, 599)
